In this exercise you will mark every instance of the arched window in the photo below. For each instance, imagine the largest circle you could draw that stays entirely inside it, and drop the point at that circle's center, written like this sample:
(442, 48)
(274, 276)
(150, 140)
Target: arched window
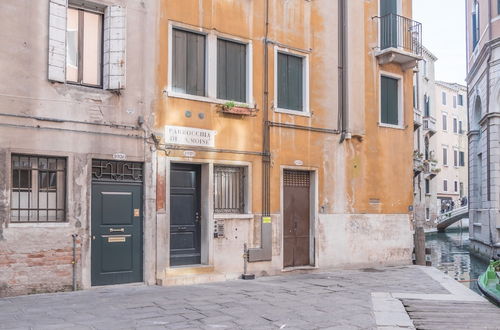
(477, 113)
(475, 24)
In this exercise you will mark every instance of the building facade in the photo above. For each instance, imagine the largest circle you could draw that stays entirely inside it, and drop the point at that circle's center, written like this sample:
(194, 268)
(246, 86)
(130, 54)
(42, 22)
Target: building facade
(75, 163)
(425, 166)
(280, 127)
(483, 80)
(452, 145)
(173, 142)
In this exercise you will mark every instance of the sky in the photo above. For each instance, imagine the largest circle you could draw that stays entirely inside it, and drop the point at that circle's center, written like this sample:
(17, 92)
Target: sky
(443, 28)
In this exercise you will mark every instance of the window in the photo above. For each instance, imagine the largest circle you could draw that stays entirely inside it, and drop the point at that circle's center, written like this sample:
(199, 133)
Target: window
(443, 98)
(455, 158)
(188, 67)
(427, 213)
(424, 62)
(290, 82)
(461, 158)
(475, 24)
(460, 127)
(455, 185)
(445, 185)
(38, 189)
(229, 189)
(445, 122)
(461, 98)
(84, 47)
(454, 101)
(427, 106)
(445, 156)
(231, 70)
(427, 186)
(498, 7)
(390, 101)
(461, 189)
(455, 125)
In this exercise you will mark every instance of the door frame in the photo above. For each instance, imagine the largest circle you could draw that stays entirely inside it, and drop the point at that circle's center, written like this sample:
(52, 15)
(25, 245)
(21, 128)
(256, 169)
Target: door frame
(313, 216)
(400, 12)
(86, 257)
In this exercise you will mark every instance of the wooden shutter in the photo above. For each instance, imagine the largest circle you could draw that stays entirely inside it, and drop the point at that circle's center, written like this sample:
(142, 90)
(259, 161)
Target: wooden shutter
(188, 67)
(389, 101)
(231, 70)
(290, 82)
(57, 40)
(388, 7)
(114, 48)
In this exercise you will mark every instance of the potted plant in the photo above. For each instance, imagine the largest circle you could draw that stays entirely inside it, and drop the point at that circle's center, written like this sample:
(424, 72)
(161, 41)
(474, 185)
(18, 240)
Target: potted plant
(238, 109)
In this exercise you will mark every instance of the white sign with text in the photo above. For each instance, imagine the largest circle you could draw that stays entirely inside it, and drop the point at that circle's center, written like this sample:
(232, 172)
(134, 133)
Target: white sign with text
(189, 136)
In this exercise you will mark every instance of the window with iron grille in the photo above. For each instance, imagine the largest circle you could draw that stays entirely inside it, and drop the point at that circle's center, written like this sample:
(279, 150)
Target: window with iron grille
(38, 191)
(229, 189)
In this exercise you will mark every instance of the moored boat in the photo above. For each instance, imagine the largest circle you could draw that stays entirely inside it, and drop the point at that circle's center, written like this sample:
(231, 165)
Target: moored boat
(489, 282)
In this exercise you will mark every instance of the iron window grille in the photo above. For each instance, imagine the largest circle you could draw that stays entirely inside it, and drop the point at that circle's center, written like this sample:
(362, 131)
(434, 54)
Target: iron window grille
(229, 189)
(38, 191)
(116, 171)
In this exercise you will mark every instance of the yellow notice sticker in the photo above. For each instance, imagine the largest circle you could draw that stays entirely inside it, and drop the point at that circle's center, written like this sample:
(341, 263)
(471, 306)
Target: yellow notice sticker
(266, 219)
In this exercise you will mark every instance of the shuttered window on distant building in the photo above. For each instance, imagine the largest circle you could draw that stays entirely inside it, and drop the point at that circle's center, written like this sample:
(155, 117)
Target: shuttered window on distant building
(389, 99)
(188, 67)
(290, 82)
(231, 70)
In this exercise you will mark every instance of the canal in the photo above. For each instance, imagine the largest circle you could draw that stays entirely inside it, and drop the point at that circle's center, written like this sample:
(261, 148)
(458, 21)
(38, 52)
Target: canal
(450, 254)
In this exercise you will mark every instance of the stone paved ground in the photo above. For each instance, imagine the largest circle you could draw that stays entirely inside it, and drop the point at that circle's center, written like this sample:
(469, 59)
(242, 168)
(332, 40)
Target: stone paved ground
(333, 300)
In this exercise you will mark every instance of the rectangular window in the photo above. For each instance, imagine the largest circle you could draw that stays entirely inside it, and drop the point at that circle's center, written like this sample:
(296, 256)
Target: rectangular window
(460, 127)
(389, 99)
(84, 47)
(427, 213)
(460, 100)
(290, 82)
(188, 66)
(231, 70)
(443, 97)
(455, 184)
(461, 158)
(455, 158)
(427, 106)
(445, 122)
(427, 186)
(38, 189)
(229, 189)
(455, 125)
(454, 101)
(445, 185)
(445, 156)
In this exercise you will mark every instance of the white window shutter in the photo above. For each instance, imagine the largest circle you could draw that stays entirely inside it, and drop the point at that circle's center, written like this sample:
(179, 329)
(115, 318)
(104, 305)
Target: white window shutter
(57, 40)
(114, 48)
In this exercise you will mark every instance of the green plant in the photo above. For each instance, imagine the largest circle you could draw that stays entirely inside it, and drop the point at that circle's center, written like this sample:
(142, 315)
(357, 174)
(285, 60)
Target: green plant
(232, 104)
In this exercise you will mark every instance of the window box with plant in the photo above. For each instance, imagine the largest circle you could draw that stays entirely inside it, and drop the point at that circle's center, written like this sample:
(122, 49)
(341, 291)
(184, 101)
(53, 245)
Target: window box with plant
(238, 109)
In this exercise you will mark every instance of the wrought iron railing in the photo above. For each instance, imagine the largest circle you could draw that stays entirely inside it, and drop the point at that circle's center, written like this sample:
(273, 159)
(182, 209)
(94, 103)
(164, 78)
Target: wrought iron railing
(400, 32)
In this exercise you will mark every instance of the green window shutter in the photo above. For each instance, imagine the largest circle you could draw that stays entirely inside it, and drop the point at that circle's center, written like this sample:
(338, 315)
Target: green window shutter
(389, 99)
(290, 82)
(231, 71)
(188, 67)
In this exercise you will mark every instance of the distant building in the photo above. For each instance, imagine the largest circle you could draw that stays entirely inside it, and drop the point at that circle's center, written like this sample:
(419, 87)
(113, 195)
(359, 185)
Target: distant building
(483, 80)
(452, 145)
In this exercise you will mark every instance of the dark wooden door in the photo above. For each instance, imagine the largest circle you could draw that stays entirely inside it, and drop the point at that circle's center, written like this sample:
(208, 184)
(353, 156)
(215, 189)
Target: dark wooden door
(389, 24)
(185, 230)
(116, 255)
(296, 197)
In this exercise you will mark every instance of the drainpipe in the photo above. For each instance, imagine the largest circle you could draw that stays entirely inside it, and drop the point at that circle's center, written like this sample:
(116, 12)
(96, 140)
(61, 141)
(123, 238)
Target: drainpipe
(343, 118)
(73, 262)
(264, 253)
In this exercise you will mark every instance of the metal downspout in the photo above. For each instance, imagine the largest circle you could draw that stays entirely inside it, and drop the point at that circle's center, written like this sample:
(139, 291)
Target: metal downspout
(342, 76)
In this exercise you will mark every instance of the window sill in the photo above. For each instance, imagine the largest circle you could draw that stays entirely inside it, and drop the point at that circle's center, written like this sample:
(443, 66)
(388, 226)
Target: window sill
(391, 126)
(38, 225)
(205, 99)
(232, 216)
(293, 112)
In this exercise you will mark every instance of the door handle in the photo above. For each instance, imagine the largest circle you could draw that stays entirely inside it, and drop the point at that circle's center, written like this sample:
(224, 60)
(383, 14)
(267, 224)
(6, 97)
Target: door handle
(121, 230)
(197, 217)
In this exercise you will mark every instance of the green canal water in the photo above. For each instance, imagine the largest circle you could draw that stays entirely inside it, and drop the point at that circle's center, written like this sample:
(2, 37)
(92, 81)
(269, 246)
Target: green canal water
(450, 254)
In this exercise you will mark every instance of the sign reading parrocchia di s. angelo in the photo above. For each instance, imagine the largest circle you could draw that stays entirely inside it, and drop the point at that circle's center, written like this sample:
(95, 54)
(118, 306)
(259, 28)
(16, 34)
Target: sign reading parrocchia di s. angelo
(189, 136)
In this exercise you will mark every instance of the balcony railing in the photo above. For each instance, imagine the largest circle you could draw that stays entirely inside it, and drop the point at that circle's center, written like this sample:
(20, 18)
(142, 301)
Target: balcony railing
(430, 125)
(417, 119)
(400, 40)
(400, 32)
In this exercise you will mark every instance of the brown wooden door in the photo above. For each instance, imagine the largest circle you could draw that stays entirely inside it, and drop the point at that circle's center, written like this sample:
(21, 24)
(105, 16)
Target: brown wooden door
(296, 196)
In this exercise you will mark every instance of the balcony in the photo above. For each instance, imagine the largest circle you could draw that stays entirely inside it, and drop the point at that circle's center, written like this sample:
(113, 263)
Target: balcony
(400, 41)
(417, 119)
(431, 169)
(418, 164)
(430, 126)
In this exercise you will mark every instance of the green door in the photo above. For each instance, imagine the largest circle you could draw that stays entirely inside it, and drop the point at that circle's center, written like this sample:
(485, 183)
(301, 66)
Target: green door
(389, 23)
(116, 233)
